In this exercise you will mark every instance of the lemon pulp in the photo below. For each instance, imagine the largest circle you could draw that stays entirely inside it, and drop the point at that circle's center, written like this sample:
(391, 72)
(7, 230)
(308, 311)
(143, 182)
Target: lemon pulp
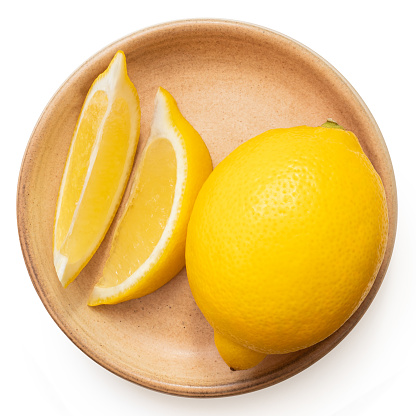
(94, 193)
(83, 146)
(146, 216)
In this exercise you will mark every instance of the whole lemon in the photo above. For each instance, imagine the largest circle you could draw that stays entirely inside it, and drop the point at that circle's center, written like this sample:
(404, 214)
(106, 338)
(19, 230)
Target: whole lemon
(285, 241)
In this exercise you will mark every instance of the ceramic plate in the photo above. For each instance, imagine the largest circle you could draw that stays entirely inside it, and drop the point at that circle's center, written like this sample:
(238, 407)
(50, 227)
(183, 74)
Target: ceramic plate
(232, 81)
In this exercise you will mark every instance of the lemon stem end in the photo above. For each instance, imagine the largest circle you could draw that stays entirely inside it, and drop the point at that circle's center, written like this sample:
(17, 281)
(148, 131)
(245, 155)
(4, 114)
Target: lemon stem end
(331, 124)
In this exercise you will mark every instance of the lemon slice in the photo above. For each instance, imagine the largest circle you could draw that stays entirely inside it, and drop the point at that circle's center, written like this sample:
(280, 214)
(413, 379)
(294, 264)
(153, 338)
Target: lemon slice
(97, 168)
(149, 243)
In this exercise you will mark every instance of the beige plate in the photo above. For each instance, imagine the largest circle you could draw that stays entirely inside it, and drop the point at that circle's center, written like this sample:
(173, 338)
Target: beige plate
(232, 81)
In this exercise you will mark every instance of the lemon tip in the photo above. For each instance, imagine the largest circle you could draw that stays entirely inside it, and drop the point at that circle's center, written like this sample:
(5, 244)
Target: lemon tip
(60, 262)
(236, 356)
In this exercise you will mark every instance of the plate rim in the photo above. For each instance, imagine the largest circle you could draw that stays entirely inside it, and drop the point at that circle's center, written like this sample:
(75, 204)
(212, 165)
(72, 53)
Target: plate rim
(267, 379)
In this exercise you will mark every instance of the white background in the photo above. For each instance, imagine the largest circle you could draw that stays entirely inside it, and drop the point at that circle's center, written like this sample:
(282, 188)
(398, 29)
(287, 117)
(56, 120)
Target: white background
(372, 44)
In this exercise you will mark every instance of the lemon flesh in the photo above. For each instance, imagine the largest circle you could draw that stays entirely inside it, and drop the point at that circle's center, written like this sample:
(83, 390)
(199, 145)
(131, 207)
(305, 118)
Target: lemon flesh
(97, 168)
(148, 248)
(146, 216)
(285, 240)
(78, 166)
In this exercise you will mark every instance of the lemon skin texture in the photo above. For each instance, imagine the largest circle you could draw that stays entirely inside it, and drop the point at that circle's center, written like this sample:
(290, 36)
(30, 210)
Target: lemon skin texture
(285, 240)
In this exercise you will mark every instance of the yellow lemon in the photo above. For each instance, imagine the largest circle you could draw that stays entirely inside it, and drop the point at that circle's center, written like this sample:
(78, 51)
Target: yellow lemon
(98, 166)
(148, 248)
(285, 241)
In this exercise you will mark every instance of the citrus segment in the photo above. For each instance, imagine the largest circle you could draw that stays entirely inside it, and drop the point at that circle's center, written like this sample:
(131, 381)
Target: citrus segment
(97, 168)
(148, 248)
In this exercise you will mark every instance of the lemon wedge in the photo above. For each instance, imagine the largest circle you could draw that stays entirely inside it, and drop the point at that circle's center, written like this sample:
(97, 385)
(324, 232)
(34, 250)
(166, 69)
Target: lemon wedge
(148, 248)
(98, 165)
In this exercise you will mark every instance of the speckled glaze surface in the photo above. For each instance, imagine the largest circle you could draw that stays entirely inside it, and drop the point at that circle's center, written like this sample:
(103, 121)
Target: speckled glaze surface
(232, 81)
